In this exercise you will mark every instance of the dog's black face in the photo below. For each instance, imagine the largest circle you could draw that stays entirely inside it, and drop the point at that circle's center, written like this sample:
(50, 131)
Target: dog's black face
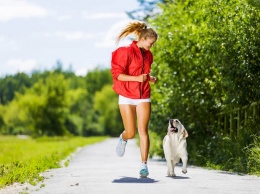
(173, 123)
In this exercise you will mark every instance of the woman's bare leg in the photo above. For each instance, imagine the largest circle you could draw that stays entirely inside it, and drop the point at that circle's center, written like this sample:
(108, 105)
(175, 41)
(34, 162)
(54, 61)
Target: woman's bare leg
(128, 114)
(143, 115)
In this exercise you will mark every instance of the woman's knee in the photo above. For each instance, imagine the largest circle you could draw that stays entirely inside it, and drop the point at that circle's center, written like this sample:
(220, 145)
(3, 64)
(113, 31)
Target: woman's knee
(129, 135)
(143, 133)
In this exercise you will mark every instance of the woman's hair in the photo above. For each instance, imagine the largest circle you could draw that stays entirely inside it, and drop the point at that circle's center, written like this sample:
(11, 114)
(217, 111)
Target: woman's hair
(139, 29)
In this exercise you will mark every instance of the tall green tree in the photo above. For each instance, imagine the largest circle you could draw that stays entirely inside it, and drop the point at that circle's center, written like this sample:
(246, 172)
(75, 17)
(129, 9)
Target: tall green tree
(11, 84)
(188, 79)
(206, 61)
(56, 106)
(23, 113)
(106, 105)
(199, 44)
(96, 79)
(79, 109)
(41, 110)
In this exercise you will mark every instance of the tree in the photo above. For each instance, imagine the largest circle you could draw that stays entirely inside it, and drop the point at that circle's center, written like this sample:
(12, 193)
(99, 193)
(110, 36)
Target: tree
(2, 123)
(206, 60)
(11, 84)
(41, 110)
(147, 9)
(53, 103)
(79, 108)
(56, 106)
(96, 79)
(106, 105)
(187, 76)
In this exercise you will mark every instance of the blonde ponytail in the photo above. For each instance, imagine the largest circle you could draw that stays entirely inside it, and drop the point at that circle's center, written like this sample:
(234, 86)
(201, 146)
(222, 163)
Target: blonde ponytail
(137, 28)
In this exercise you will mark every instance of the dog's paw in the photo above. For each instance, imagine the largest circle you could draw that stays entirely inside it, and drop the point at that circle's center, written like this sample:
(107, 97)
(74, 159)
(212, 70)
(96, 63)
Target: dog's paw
(171, 174)
(184, 171)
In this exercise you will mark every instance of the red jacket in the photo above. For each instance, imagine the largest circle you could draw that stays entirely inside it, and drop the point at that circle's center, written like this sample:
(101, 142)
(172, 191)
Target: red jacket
(130, 60)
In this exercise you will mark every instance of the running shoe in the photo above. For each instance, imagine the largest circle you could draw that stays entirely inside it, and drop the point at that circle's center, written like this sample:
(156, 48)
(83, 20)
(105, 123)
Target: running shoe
(144, 170)
(120, 148)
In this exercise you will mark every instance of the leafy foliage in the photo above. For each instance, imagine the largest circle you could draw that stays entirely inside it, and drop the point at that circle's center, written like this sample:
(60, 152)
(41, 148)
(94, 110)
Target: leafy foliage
(206, 61)
(106, 105)
(11, 84)
(96, 79)
(253, 153)
(56, 103)
(146, 10)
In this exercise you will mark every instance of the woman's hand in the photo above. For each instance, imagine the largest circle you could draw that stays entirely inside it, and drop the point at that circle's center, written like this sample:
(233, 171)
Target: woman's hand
(139, 78)
(152, 79)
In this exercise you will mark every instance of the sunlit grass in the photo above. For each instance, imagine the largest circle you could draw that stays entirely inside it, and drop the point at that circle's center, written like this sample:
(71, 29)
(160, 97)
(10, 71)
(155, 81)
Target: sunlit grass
(21, 160)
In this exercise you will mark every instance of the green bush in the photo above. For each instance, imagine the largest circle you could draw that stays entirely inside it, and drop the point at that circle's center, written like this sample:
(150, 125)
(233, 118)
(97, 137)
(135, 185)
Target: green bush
(206, 60)
(253, 154)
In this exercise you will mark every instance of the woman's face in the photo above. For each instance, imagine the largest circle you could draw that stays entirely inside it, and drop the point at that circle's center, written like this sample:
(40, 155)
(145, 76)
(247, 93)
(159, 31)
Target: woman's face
(147, 43)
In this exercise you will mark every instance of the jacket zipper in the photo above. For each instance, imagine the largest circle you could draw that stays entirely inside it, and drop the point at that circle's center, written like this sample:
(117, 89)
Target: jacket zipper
(141, 84)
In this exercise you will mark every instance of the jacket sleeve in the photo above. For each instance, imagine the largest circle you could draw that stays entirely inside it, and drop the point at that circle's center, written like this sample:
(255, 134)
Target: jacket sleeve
(119, 62)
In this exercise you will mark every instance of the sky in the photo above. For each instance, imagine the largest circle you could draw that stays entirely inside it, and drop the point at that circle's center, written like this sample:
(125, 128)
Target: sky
(81, 34)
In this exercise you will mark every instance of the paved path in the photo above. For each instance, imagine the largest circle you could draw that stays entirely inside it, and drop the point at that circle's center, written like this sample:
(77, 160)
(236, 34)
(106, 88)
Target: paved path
(96, 169)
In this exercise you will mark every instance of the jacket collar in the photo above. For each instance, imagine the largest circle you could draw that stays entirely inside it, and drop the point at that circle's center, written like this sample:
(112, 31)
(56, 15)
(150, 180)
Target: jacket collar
(134, 45)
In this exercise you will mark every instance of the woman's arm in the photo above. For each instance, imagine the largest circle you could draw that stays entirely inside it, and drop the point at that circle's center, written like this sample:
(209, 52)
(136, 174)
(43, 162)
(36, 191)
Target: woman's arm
(139, 78)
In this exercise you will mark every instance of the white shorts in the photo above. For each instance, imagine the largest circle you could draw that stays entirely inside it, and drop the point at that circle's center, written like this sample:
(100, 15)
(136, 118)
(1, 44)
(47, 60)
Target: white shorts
(135, 102)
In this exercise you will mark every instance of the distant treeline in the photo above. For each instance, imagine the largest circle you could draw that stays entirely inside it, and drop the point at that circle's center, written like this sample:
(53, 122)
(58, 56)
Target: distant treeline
(59, 102)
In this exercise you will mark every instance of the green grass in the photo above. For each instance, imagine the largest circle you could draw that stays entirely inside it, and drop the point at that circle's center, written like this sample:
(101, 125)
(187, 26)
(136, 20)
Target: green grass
(22, 160)
(253, 154)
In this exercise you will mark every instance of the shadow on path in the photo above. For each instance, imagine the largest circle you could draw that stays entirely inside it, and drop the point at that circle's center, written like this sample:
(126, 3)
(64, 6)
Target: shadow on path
(178, 177)
(134, 180)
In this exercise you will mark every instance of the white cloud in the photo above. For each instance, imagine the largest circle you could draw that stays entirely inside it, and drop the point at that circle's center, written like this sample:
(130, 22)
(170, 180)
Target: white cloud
(101, 15)
(12, 44)
(82, 71)
(74, 35)
(20, 65)
(6, 43)
(64, 17)
(110, 37)
(13, 9)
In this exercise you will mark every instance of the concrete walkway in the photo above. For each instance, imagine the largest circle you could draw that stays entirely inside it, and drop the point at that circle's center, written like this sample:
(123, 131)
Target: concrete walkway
(96, 169)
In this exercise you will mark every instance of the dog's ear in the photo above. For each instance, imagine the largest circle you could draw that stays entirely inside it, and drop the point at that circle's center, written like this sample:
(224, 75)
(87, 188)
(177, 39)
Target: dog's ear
(185, 133)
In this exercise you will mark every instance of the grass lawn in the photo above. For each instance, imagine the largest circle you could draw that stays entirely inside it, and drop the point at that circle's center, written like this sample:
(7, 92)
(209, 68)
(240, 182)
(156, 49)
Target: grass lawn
(22, 159)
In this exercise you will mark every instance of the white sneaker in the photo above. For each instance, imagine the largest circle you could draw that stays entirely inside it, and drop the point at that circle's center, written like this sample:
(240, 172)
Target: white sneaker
(144, 170)
(120, 148)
